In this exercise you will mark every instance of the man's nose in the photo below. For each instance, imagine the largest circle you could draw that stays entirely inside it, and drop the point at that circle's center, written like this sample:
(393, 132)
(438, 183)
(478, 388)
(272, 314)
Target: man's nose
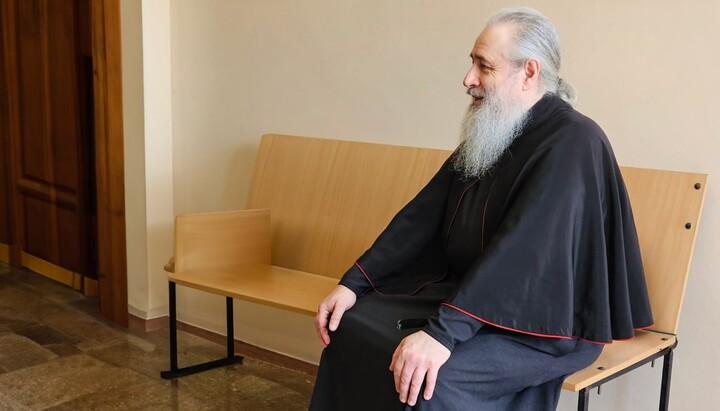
(471, 79)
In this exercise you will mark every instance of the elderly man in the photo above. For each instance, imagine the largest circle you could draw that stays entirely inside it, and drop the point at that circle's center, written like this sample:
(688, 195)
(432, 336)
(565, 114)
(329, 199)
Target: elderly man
(509, 270)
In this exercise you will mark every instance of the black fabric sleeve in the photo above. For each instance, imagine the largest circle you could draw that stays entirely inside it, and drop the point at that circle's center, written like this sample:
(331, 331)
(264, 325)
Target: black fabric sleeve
(451, 327)
(355, 281)
(407, 235)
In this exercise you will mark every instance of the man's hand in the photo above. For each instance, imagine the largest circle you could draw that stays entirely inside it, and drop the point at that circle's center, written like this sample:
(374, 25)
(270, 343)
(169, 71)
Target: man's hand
(334, 306)
(417, 358)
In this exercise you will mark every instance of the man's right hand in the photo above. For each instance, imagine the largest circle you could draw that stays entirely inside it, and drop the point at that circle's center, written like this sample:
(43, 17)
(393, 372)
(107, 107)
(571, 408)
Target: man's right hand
(331, 310)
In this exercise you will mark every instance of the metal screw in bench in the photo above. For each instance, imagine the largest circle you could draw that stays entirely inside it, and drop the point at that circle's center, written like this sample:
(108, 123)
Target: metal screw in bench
(688, 225)
(698, 186)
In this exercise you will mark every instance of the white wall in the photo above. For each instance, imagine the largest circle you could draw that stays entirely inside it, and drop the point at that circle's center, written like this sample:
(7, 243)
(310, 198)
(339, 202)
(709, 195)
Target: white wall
(147, 122)
(391, 72)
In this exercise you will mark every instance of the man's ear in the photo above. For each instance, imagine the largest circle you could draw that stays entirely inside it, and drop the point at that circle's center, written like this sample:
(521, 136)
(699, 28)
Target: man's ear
(531, 69)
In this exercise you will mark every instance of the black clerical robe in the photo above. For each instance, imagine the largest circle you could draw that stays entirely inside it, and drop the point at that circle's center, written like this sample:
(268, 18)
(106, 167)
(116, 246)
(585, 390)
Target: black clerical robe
(544, 246)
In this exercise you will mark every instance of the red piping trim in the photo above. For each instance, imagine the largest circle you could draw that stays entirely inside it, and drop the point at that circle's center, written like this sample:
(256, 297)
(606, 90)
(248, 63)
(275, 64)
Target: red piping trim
(482, 229)
(382, 293)
(366, 276)
(452, 220)
(564, 337)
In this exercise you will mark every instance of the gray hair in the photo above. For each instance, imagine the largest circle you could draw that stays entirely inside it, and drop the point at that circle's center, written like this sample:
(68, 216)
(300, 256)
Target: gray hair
(536, 38)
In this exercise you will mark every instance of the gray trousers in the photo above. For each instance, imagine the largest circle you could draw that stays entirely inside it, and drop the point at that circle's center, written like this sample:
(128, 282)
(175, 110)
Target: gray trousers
(494, 370)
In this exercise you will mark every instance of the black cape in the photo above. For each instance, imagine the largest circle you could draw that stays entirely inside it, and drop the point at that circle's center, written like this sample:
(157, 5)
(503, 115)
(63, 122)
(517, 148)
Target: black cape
(545, 244)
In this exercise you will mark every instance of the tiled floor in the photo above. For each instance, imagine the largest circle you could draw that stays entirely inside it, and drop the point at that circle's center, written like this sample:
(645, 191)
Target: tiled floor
(56, 352)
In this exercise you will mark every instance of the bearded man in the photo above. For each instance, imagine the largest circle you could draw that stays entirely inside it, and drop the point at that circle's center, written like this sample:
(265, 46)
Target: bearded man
(509, 270)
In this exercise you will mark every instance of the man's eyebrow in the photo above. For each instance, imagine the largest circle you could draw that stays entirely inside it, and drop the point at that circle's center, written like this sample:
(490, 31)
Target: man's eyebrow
(481, 59)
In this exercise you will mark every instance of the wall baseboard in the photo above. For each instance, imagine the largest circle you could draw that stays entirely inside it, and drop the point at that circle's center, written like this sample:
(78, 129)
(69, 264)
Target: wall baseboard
(136, 323)
(242, 348)
(5, 253)
(79, 282)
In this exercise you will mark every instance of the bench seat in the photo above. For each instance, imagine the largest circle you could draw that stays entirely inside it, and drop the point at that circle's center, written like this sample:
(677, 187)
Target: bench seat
(264, 284)
(620, 356)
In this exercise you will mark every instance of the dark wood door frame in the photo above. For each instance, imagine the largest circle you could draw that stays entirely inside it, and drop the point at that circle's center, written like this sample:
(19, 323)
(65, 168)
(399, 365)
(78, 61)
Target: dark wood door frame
(110, 169)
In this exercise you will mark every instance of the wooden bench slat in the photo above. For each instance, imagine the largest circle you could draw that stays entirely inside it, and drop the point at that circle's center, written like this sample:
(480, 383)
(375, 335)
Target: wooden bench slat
(663, 203)
(265, 284)
(618, 356)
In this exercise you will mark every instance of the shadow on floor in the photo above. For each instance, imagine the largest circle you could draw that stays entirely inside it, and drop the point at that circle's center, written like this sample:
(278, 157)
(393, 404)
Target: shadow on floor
(58, 353)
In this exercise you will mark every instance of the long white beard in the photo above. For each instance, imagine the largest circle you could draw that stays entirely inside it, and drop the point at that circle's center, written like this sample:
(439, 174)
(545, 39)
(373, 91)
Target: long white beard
(487, 131)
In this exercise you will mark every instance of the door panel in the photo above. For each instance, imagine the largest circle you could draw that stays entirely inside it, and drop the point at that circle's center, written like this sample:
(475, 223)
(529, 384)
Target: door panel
(5, 221)
(53, 142)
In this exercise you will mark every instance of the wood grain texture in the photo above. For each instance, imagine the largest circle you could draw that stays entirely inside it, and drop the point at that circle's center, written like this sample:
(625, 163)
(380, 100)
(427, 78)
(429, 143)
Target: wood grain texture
(221, 241)
(664, 202)
(331, 198)
(5, 210)
(12, 127)
(264, 284)
(4, 253)
(618, 356)
(109, 160)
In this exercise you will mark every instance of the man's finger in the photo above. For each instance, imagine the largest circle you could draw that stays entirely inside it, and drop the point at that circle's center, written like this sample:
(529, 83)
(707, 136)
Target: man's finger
(430, 380)
(321, 325)
(415, 385)
(406, 378)
(396, 366)
(394, 359)
(337, 314)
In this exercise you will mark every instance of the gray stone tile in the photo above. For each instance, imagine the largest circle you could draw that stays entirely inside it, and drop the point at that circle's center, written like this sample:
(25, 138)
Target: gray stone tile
(153, 395)
(44, 335)
(17, 352)
(57, 352)
(9, 404)
(64, 379)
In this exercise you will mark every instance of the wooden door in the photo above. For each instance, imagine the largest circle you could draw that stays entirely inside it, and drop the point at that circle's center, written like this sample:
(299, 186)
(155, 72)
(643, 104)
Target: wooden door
(48, 70)
(5, 220)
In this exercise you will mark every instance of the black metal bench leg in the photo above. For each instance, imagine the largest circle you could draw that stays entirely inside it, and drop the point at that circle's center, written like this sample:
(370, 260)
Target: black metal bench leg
(230, 327)
(173, 327)
(231, 358)
(583, 399)
(665, 388)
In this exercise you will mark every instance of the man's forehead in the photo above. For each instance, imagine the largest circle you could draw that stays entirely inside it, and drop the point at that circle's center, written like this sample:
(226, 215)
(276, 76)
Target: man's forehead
(492, 43)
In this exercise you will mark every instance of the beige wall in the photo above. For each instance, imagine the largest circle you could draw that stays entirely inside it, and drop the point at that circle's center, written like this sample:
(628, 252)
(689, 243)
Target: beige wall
(391, 71)
(147, 120)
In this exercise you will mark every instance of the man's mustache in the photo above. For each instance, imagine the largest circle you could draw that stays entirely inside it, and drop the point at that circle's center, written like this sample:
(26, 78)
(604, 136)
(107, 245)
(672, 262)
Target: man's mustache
(475, 92)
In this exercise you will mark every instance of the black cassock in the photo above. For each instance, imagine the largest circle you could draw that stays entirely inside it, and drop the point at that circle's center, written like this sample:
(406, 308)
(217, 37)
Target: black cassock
(522, 274)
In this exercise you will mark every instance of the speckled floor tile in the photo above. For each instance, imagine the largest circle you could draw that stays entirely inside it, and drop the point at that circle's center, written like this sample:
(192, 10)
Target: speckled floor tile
(58, 353)
(17, 352)
(64, 379)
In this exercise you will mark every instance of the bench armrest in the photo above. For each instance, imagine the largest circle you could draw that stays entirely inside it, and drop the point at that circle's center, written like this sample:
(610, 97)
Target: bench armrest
(220, 241)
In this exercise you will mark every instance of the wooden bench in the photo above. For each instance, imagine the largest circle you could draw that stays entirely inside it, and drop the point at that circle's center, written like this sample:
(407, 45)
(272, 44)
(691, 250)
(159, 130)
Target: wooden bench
(315, 205)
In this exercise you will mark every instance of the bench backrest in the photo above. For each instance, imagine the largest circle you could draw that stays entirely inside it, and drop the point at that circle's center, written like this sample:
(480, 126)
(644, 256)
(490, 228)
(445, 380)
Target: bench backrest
(666, 206)
(329, 199)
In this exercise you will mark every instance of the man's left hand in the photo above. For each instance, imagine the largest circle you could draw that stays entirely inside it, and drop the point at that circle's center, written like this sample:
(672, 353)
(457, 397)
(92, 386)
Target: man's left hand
(418, 357)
